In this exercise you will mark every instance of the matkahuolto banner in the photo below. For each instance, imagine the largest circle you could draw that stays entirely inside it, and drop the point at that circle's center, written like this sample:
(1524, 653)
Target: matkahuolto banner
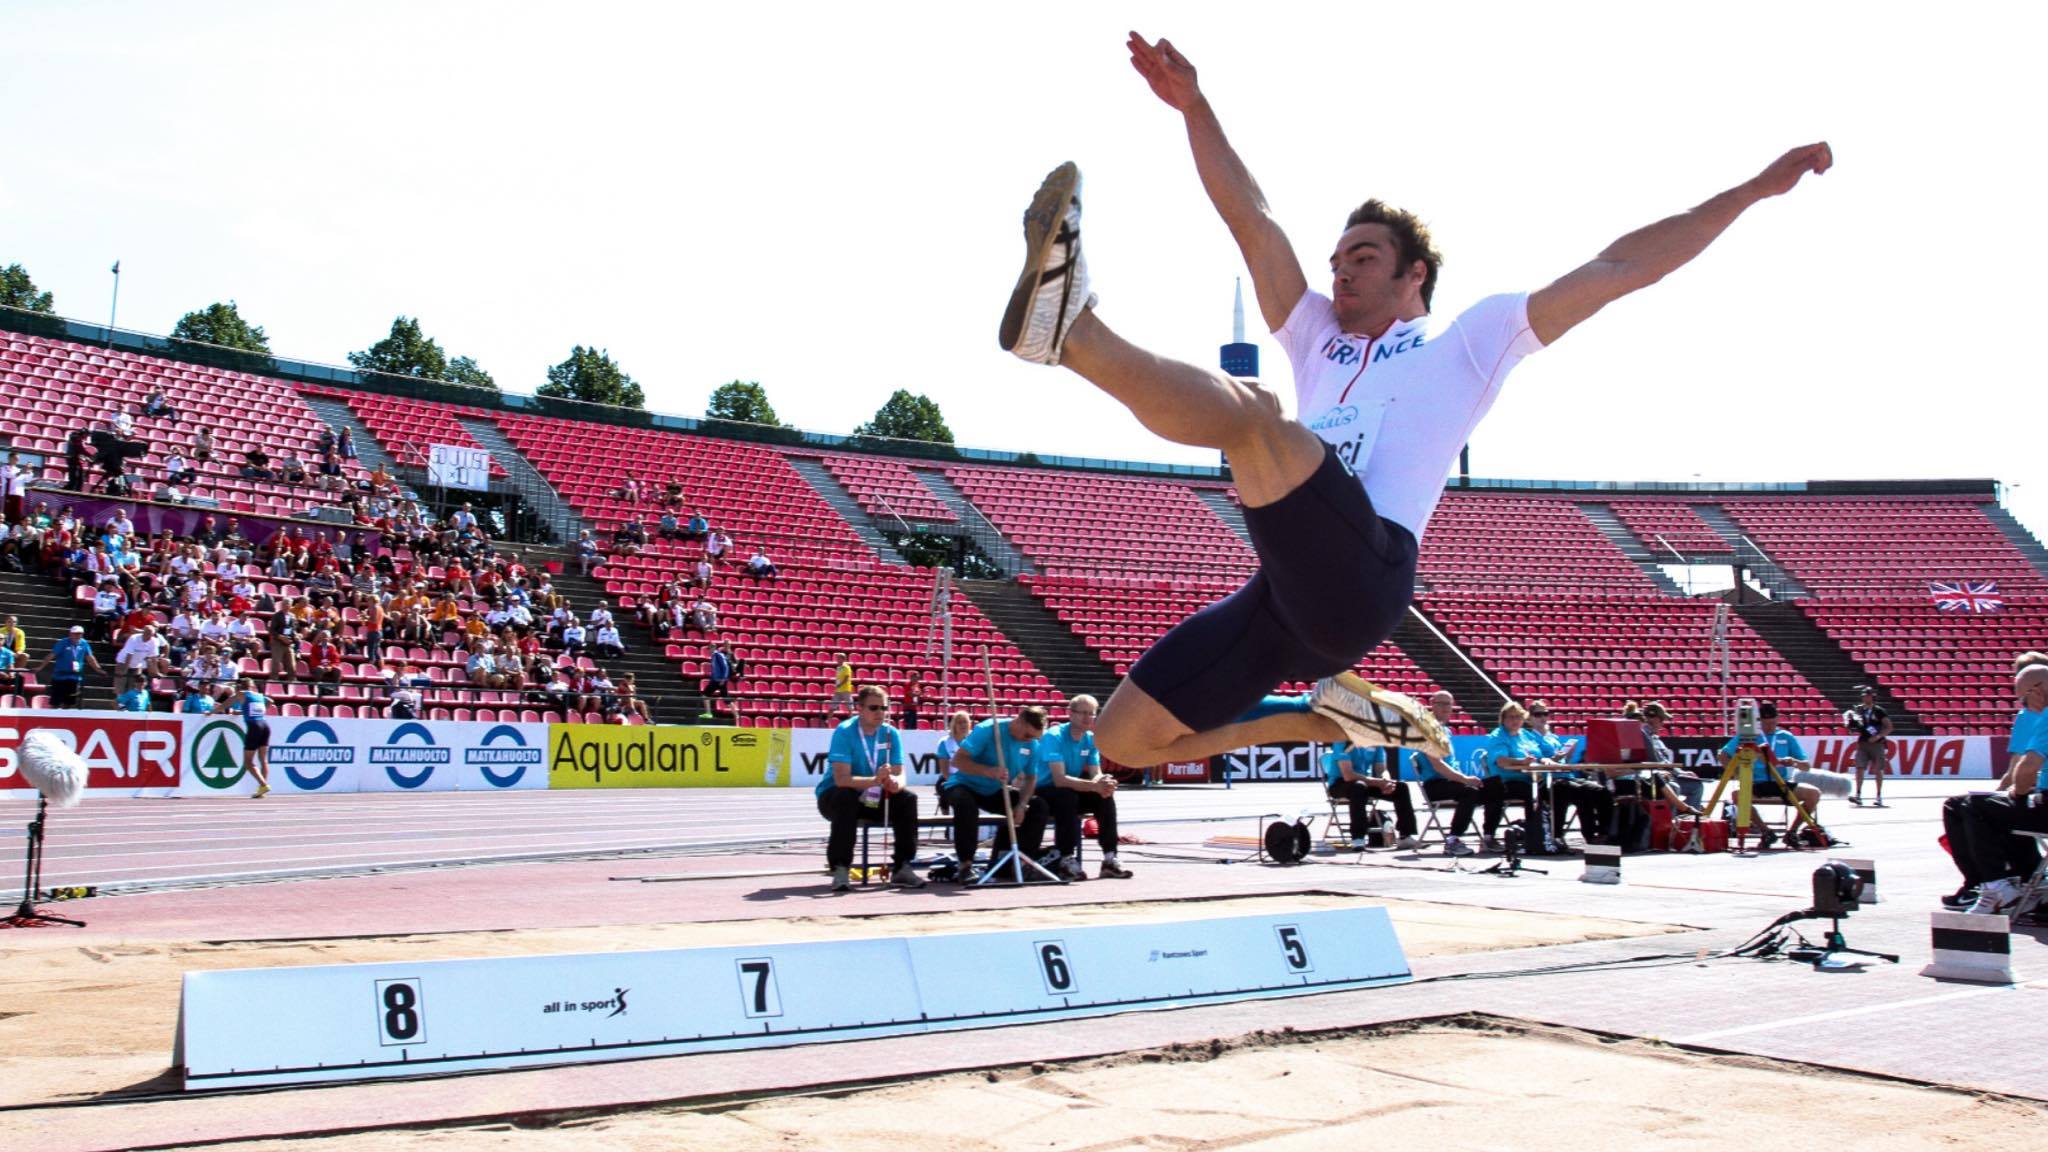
(328, 755)
(665, 756)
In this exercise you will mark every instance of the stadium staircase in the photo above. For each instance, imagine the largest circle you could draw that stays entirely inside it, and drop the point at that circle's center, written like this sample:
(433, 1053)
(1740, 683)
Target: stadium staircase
(45, 614)
(834, 493)
(1769, 575)
(526, 481)
(993, 543)
(338, 416)
(1037, 632)
(1226, 510)
(2021, 539)
(1631, 546)
(1820, 659)
(671, 698)
(1447, 665)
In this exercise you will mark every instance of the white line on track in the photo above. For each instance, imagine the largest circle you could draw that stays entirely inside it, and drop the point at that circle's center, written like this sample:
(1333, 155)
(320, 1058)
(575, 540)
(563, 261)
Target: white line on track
(1845, 1013)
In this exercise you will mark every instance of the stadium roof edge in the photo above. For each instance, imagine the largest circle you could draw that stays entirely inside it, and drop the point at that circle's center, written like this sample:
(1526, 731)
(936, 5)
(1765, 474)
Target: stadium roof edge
(442, 391)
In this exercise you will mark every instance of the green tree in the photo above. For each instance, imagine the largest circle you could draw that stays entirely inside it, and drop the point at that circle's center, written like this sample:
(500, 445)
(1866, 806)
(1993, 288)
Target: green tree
(18, 291)
(744, 401)
(406, 352)
(221, 324)
(908, 417)
(591, 376)
(463, 370)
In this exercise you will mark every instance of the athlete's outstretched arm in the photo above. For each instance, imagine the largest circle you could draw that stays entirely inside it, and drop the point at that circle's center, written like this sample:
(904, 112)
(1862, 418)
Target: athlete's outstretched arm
(1276, 272)
(1647, 255)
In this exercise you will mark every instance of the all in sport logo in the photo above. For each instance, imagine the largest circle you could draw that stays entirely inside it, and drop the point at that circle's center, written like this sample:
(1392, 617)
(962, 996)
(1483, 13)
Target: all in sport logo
(502, 748)
(410, 745)
(215, 755)
(311, 754)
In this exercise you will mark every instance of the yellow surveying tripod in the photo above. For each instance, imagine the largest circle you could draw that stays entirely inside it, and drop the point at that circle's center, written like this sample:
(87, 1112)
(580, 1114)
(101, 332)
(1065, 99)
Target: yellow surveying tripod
(1740, 771)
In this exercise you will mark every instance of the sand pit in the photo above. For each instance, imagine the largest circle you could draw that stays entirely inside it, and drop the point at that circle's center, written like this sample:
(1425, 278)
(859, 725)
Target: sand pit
(1468, 1083)
(84, 1020)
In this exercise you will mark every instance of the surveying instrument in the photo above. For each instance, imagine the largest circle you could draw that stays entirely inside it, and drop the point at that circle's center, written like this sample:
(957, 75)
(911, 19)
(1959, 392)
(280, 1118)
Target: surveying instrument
(1750, 749)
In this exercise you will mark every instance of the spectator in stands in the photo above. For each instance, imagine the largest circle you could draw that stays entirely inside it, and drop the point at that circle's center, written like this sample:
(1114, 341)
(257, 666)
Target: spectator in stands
(464, 521)
(701, 573)
(330, 471)
(670, 528)
(718, 675)
(630, 491)
(134, 698)
(629, 539)
(560, 687)
(14, 482)
(12, 637)
(177, 471)
(167, 491)
(703, 617)
(109, 603)
(120, 422)
(323, 662)
(586, 552)
(256, 464)
(573, 637)
(673, 496)
(760, 565)
(141, 656)
(10, 674)
(841, 699)
(717, 546)
(914, 700)
(482, 667)
(158, 406)
(608, 644)
(1872, 727)
(1072, 782)
(347, 444)
(202, 444)
(630, 706)
(290, 468)
(68, 660)
(208, 673)
(598, 693)
(1590, 797)
(696, 527)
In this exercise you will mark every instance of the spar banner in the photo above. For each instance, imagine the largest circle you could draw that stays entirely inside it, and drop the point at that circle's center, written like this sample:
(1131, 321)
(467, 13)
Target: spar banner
(665, 756)
(809, 746)
(126, 753)
(328, 755)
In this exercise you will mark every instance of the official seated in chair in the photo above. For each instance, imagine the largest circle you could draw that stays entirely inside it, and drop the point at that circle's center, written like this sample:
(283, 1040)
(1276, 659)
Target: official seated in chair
(1442, 783)
(1786, 750)
(975, 784)
(1072, 782)
(1508, 748)
(1990, 855)
(1591, 797)
(864, 776)
(1356, 776)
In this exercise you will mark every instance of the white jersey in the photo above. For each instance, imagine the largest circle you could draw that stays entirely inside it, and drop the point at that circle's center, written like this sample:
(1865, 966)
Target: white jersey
(1398, 408)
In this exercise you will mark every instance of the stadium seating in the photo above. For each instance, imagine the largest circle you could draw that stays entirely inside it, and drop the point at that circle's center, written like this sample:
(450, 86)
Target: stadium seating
(49, 387)
(887, 489)
(1661, 523)
(1083, 524)
(407, 428)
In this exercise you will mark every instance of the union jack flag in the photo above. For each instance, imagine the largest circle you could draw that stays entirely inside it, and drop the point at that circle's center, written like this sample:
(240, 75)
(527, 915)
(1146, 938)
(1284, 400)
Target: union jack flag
(1965, 595)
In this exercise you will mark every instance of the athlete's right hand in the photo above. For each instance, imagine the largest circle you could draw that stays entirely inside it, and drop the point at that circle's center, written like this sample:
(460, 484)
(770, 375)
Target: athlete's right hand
(1168, 72)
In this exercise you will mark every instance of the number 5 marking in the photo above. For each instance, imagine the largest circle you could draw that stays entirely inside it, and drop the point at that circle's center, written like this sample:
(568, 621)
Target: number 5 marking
(759, 997)
(1291, 947)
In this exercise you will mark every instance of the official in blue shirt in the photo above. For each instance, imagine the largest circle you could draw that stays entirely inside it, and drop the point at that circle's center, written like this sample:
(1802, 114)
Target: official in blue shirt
(1955, 821)
(1357, 775)
(1790, 755)
(1509, 747)
(864, 783)
(1595, 803)
(68, 660)
(975, 786)
(1990, 856)
(1071, 780)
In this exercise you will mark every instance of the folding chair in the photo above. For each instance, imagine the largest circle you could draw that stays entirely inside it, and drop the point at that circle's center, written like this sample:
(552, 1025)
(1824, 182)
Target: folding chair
(2034, 888)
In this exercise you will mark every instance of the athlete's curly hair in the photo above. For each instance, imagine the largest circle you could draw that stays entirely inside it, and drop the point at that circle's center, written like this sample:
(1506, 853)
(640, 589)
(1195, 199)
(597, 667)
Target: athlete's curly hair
(1410, 233)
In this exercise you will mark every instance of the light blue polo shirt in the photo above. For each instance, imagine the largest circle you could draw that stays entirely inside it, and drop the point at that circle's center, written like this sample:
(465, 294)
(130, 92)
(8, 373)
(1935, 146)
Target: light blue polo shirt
(863, 754)
(1504, 745)
(2023, 725)
(1363, 761)
(1058, 746)
(2037, 744)
(1784, 746)
(1020, 756)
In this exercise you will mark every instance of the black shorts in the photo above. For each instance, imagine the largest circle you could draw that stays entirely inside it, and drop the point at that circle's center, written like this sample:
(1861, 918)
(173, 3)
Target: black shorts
(255, 735)
(64, 693)
(1767, 789)
(1333, 581)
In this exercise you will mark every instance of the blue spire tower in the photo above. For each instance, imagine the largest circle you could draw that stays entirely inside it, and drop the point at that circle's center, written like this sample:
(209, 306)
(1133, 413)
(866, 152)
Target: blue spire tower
(1240, 359)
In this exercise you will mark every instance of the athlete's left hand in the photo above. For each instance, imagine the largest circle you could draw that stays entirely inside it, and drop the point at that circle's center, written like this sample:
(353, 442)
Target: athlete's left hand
(1786, 170)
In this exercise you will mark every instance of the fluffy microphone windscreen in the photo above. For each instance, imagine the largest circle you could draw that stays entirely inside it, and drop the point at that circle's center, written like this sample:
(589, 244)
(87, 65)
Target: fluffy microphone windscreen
(52, 768)
(1830, 783)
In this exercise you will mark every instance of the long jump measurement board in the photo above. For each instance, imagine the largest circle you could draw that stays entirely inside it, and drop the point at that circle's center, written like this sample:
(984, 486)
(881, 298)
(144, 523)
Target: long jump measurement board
(263, 1026)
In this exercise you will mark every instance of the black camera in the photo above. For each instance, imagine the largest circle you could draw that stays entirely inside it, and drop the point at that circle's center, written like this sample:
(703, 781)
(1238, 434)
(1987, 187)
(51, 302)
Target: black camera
(1837, 890)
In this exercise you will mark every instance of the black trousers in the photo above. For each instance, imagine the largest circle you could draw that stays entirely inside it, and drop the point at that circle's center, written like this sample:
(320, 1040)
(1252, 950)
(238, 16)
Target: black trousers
(1357, 793)
(1997, 854)
(843, 808)
(968, 805)
(1594, 802)
(1468, 797)
(1067, 806)
(1961, 830)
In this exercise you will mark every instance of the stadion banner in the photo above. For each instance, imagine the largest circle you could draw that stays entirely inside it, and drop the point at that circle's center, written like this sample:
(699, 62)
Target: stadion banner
(1269, 762)
(126, 753)
(808, 748)
(665, 756)
(320, 754)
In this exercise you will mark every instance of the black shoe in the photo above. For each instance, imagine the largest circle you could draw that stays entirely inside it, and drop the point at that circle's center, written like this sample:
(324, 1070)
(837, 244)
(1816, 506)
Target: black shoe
(1961, 898)
(1765, 838)
(967, 876)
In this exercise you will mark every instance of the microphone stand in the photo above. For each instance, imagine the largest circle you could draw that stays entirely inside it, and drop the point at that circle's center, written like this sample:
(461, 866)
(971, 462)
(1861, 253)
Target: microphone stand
(26, 915)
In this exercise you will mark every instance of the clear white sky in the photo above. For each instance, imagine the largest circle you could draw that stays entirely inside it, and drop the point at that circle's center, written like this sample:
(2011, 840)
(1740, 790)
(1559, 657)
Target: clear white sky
(824, 198)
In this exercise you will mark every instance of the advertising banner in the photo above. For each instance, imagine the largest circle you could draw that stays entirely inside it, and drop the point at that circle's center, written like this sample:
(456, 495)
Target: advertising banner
(809, 746)
(126, 753)
(665, 756)
(318, 754)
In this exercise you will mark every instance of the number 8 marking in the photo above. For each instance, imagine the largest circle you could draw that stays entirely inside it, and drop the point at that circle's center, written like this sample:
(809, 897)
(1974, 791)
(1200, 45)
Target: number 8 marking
(401, 1012)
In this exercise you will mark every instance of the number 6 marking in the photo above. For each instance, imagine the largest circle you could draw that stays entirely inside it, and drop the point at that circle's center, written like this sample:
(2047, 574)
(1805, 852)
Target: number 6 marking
(1052, 964)
(1291, 947)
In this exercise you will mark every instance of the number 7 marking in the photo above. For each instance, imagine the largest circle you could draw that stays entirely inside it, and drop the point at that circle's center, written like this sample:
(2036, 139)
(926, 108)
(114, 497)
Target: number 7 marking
(759, 996)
